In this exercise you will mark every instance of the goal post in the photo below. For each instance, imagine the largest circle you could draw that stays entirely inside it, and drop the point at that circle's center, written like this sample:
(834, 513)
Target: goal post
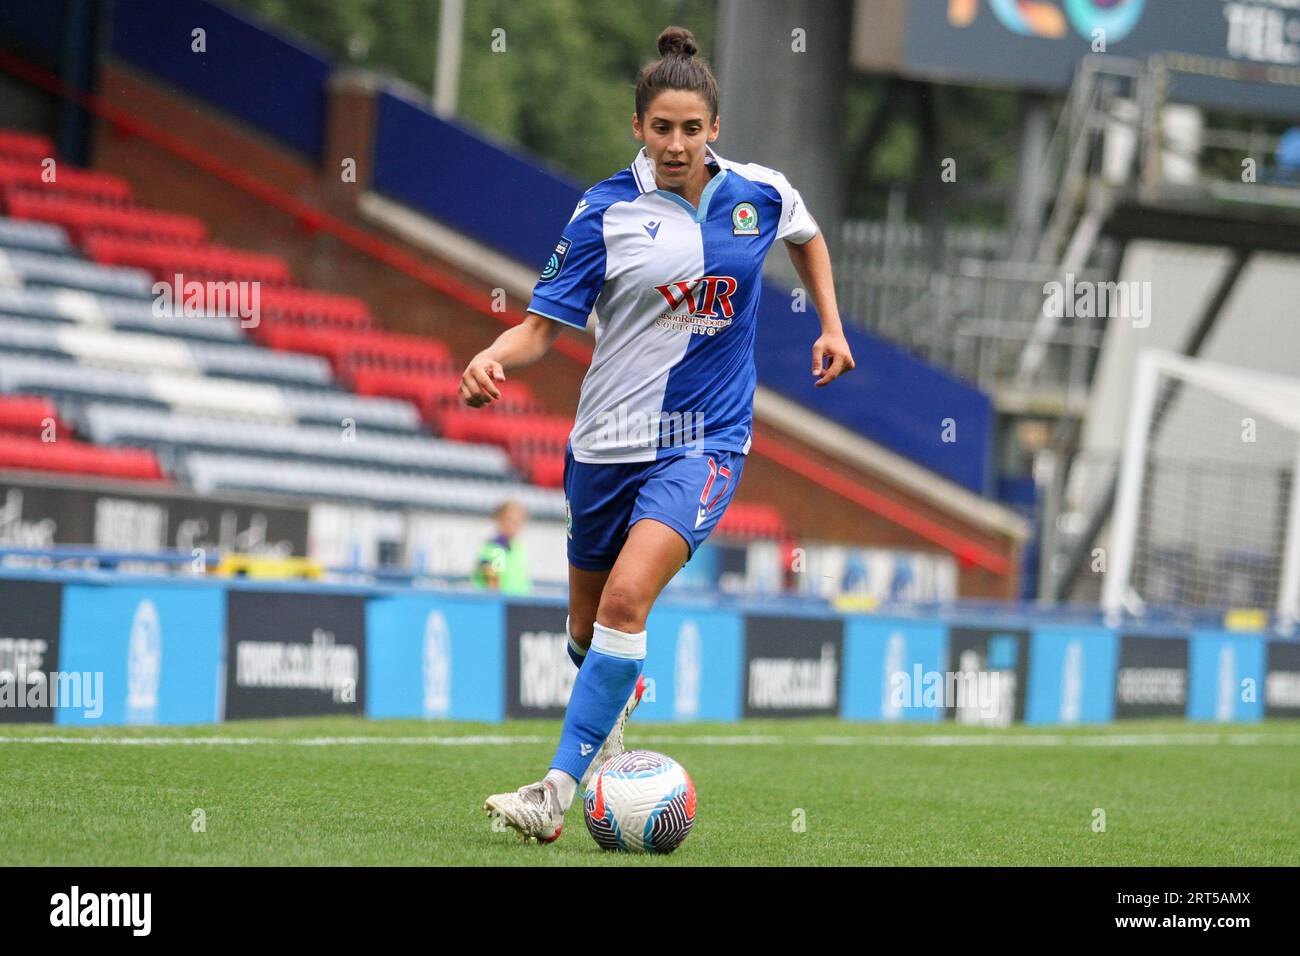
(1207, 506)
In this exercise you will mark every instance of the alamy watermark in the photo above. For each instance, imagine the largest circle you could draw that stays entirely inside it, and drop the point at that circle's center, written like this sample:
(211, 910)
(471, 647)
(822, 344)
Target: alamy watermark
(972, 694)
(622, 427)
(194, 299)
(25, 684)
(1084, 299)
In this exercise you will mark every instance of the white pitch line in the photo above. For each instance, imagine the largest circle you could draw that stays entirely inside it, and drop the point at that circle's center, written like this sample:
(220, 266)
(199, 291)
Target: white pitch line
(742, 740)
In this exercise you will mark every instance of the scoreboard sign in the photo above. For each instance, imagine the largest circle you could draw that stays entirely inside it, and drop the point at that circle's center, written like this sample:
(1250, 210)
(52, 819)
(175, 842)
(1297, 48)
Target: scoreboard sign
(1037, 44)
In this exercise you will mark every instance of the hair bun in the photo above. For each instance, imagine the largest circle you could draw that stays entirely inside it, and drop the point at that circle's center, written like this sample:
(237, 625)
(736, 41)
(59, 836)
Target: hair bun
(679, 41)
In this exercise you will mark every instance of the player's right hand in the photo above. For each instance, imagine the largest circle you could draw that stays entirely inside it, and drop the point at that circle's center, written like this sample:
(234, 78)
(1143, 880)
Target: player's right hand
(477, 385)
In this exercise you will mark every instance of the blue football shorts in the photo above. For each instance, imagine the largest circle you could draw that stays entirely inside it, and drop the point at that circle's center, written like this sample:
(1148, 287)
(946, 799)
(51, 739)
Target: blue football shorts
(687, 492)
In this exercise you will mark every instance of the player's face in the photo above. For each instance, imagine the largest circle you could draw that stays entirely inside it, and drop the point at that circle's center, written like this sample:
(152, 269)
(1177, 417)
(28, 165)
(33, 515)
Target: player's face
(675, 132)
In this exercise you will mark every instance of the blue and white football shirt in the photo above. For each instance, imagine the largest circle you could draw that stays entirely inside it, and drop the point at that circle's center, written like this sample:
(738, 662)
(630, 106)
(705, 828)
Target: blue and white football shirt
(676, 294)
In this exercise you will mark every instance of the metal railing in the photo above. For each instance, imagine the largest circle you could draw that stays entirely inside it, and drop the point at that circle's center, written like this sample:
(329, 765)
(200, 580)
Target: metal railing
(970, 314)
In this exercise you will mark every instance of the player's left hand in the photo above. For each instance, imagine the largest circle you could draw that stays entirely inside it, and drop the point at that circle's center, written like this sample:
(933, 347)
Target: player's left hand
(833, 346)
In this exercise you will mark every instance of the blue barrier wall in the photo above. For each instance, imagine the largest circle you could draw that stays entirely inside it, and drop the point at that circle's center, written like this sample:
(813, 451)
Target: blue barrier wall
(502, 199)
(913, 409)
(274, 83)
(178, 650)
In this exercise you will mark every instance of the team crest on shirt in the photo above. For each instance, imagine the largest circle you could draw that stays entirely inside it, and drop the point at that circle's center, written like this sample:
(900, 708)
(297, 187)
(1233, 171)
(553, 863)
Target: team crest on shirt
(744, 219)
(556, 262)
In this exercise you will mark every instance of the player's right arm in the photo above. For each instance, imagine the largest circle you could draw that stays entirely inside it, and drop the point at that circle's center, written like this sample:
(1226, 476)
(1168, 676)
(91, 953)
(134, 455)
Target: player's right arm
(516, 347)
(564, 295)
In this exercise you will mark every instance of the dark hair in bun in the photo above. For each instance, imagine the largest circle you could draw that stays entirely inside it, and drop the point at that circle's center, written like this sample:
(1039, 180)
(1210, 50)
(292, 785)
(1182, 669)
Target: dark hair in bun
(677, 40)
(677, 68)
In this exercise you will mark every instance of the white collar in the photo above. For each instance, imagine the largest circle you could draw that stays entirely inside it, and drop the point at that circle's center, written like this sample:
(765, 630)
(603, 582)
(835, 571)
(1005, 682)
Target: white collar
(643, 170)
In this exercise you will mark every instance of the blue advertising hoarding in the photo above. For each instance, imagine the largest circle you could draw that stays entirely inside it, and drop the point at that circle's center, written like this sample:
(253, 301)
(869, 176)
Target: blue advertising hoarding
(158, 648)
(1071, 675)
(435, 657)
(888, 666)
(693, 665)
(1226, 677)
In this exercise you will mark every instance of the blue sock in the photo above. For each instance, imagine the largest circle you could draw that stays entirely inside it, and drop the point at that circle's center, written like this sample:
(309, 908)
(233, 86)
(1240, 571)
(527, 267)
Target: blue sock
(600, 690)
(577, 653)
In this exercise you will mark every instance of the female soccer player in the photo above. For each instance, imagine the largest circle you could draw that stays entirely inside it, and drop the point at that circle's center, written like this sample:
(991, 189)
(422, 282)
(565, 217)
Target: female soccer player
(669, 252)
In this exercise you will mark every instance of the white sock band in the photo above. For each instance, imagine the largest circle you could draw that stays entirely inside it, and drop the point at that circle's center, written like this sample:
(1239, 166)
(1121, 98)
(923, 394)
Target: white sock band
(566, 788)
(577, 648)
(618, 643)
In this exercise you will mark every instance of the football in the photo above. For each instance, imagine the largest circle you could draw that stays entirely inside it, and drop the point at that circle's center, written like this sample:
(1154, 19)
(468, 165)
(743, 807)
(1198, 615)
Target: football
(640, 801)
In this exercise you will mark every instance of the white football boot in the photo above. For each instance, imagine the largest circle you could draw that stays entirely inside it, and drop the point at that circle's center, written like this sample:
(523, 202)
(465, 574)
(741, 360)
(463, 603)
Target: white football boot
(613, 745)
(533, 811)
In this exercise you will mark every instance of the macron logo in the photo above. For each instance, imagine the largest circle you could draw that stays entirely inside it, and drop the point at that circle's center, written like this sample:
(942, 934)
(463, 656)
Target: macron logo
(652, 228)
(585, 749)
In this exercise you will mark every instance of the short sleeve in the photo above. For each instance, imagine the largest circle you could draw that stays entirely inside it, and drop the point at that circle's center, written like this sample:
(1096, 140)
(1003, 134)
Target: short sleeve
(574, 274)
(797, 224)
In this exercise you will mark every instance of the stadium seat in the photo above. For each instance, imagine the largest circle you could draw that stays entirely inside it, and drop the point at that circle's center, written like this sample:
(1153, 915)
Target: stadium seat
(210, 395)
(27, 415)
(67, 272)
(82, 218)
(18, 176)
(68, 455)
(208, 262)
(150, 353)
(19, 146)
(35, 236)
(179, 433)
(305, 307)
(349, 349)
(434, 395)
(547, 471)
(209, 473)
(75, 307)
(747, 520)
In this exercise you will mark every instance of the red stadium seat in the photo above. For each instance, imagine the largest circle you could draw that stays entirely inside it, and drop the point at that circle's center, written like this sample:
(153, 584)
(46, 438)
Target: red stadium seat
(748, 520)
(18, 146)
(27, 415)
(350, 351)
(436, 395)
(67, 455)
(82, 217)
(547, 471)
(306, 307)
(195, 262)
(29, 176)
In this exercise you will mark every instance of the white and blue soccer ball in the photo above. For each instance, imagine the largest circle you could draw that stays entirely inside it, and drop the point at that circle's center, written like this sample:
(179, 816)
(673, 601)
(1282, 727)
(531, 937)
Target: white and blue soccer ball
(640, 801)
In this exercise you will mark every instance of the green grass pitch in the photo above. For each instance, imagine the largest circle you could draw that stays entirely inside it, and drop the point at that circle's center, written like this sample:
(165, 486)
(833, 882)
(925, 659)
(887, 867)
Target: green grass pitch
(341, 791)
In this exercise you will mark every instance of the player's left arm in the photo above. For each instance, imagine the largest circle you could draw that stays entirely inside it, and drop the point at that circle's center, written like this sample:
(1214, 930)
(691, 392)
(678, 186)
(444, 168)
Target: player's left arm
(812, 261)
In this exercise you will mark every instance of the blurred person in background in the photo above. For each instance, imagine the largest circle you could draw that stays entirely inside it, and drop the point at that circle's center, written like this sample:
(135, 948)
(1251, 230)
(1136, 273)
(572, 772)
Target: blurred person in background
(502, 562)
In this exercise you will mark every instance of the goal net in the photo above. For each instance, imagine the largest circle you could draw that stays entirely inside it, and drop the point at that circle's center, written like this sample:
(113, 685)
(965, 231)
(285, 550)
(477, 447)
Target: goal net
(1207, 509)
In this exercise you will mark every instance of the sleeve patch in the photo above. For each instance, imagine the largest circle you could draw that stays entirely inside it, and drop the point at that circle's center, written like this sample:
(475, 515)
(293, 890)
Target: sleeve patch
(556, 262)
